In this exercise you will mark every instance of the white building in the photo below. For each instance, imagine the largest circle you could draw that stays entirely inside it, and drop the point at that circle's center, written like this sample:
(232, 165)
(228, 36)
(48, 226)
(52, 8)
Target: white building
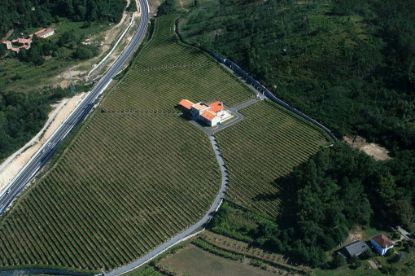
(211, 114)
(45, 33)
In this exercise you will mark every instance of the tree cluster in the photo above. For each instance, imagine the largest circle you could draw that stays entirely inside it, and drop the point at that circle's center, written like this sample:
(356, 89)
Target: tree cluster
(350, 65)
(68, 46)
(37, 13)
(335, 190)
(22, 115)
(168, 6)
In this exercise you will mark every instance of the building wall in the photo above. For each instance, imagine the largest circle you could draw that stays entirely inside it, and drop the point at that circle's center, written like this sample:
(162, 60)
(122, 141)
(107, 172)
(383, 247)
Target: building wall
(379, 249)
(48, 34)
(215, 121)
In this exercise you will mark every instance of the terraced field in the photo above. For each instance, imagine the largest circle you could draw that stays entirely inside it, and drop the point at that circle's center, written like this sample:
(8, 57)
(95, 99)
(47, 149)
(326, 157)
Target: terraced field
(136, 173)
(267, 145)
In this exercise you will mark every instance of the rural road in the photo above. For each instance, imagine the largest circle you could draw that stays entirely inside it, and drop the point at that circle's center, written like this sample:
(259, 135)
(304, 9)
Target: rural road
(44, 154)
(187, 233)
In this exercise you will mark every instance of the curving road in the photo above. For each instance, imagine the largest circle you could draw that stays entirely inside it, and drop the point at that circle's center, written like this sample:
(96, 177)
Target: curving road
(189, 232)
(44, 154)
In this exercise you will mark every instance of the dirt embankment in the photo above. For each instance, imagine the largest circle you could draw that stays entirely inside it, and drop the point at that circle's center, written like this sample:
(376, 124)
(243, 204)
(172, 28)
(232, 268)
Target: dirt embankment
(374, 150)
(153, 4)
(79, 72)
(11, 166)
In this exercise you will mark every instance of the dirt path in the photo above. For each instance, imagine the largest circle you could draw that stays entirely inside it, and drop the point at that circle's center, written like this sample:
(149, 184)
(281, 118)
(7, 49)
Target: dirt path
(11, 166)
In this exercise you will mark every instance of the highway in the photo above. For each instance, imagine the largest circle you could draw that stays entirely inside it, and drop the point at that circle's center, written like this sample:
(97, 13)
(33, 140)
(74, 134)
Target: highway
(18, 184)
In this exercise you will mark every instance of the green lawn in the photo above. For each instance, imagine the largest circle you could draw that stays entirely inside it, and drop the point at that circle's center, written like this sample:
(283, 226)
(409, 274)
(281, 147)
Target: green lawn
(192, 260)
(147, 271)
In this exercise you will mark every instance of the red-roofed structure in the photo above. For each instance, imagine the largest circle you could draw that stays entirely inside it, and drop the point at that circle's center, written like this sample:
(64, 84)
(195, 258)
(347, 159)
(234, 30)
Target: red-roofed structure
(216, 106)
(212, 114)
(381, 243)
(186, 104)
(209, 115)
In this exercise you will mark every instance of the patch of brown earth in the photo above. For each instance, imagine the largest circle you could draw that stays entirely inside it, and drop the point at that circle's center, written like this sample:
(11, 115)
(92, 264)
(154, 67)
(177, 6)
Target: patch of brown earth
(79, 71)
(374, 150)
(154, 4)
(355, 235)
(11, 166)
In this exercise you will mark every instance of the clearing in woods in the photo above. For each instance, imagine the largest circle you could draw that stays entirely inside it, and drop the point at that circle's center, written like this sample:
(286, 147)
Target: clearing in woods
(137, 173)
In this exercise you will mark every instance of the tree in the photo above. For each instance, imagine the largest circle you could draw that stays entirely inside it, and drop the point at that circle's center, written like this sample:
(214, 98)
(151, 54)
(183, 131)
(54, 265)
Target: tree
(2, 50)
(338, 261)
(403, 211)
(84, 52)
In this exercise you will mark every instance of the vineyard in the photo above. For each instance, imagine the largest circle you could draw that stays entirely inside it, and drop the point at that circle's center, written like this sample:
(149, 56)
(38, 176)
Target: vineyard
(266, 145)
(170, 73)
(135, 174)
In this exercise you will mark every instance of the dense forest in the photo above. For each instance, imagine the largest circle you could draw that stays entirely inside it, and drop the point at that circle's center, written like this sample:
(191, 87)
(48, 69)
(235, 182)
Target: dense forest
(37, 13)
(323, 199)
(336, 190)
(351, 65)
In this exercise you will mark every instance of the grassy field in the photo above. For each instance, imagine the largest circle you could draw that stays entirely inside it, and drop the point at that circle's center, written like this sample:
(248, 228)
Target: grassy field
(192, 260)
(147, 271)
(134, 175)
(265, 146)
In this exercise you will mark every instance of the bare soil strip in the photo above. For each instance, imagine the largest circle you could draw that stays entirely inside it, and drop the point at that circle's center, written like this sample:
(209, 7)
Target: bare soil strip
(374, 150)
(11, 166)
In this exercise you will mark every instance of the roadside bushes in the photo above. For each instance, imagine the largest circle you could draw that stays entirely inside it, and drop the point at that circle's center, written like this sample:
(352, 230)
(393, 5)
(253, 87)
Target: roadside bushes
(167, 7)
(22, 115)
(85, 52)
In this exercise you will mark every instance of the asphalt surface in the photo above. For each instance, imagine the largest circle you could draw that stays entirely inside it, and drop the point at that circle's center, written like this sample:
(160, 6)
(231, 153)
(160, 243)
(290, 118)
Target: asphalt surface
(80, 113)
(189, 231)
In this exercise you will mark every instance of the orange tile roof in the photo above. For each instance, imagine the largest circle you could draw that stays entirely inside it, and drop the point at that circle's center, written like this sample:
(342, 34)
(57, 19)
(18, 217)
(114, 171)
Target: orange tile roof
(200, 106)
(186, 104)
(24, 40)
(209, 115)
(216, 106)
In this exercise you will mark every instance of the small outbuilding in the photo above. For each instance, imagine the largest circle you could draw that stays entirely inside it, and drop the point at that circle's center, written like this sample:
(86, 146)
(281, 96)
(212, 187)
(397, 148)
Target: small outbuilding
(45, 33)
(186, 104)
(355, 249)
(382, 244)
